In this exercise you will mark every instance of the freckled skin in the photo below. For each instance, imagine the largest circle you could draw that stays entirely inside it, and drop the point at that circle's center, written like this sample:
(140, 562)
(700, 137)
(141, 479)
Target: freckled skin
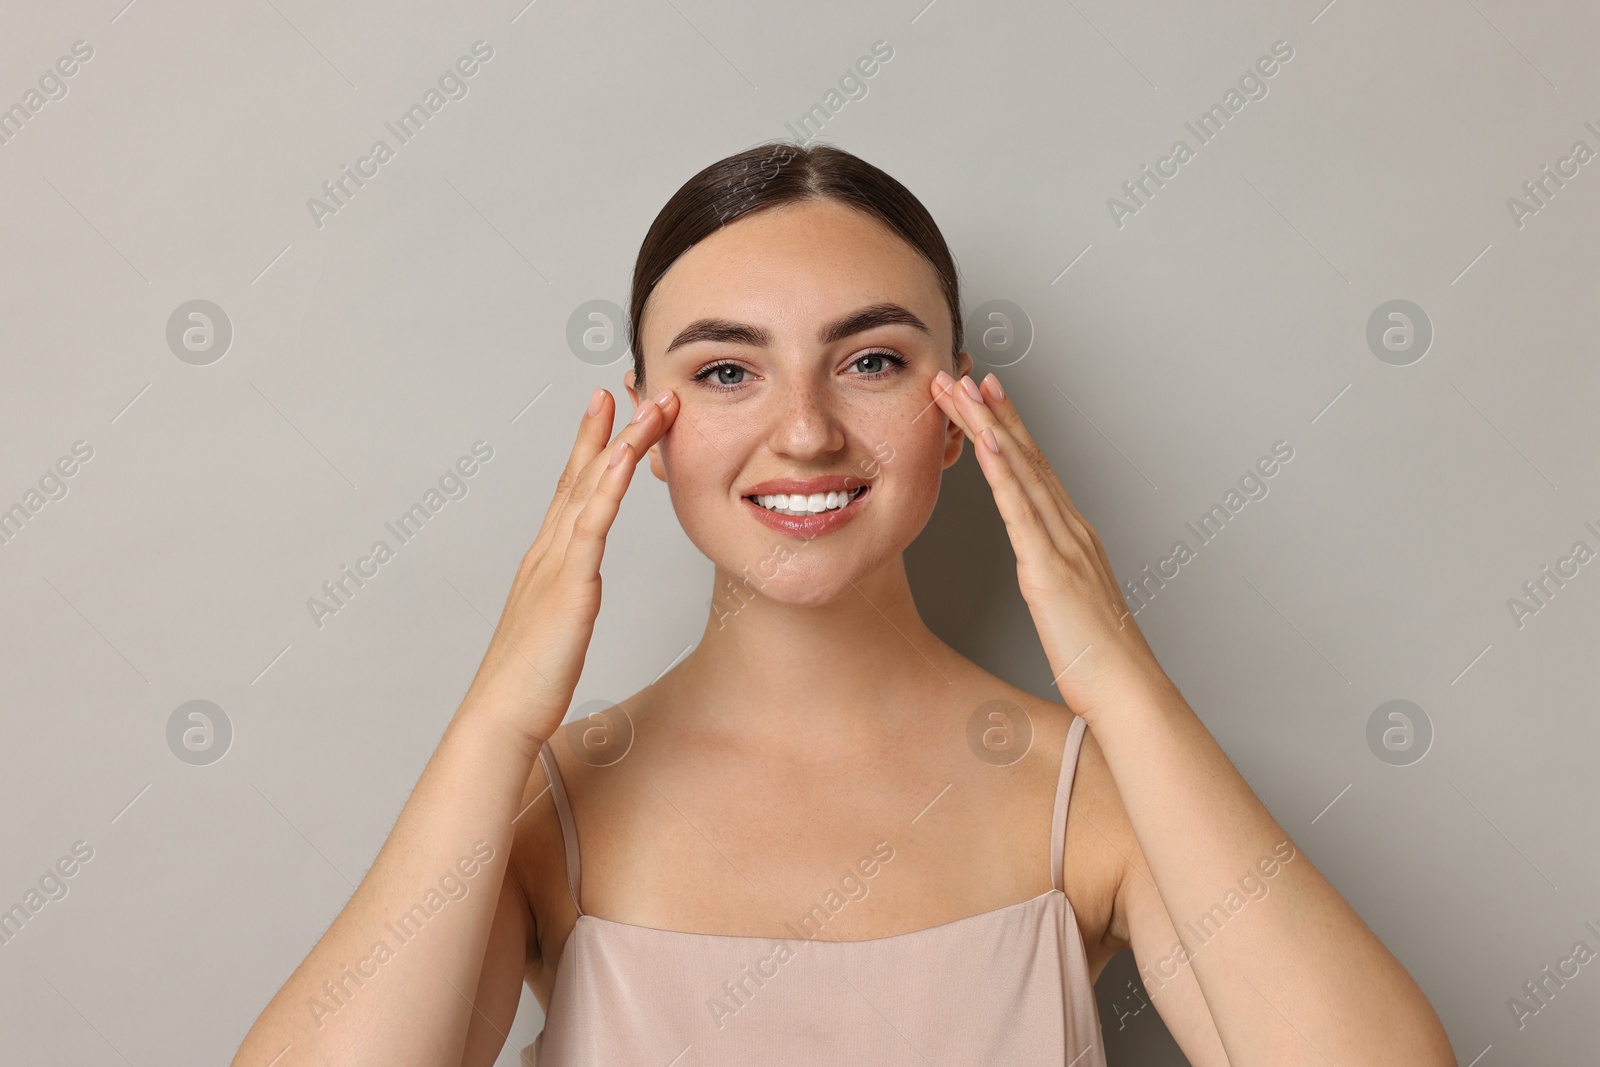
(817, 713)
(801, 408)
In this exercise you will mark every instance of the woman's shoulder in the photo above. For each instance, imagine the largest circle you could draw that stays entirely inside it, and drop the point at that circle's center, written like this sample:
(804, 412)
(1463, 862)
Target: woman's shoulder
(992, 713)
(578, 749)
(538, 864)
(1099, 843)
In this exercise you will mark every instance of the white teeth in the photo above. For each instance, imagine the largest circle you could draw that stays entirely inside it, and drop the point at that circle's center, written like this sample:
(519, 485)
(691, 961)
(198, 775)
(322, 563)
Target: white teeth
(800, 504)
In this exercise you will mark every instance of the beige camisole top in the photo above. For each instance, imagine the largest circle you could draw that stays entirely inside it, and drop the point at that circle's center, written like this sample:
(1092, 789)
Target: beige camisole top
(1009, 986)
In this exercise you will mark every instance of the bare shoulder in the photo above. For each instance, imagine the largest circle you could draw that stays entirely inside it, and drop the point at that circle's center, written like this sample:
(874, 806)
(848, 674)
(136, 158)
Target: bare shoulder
(538, 863)
(1101, 850)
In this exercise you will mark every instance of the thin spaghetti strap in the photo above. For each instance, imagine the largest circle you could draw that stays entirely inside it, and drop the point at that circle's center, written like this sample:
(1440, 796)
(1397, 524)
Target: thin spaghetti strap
(569, 829)
(1058, 821)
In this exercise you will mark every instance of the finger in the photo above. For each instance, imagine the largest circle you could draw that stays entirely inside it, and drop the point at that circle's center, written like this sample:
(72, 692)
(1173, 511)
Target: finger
(1027, 466)
(650, 423)
(587, 544)
(943, 389)
(594, 510)
(593, 429)
(1002, 407)
(1004, 410)
(1024, 524)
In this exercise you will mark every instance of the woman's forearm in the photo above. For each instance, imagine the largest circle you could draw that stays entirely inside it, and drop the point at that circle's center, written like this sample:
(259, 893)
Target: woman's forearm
(1289, 970)
(1291, 975)
(388, 981)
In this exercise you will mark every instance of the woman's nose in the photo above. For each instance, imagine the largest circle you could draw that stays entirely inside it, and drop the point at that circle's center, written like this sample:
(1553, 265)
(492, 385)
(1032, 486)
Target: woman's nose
(806, 423)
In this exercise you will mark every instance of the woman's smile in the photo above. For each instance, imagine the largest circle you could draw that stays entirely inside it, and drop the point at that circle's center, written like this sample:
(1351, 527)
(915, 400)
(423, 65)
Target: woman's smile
(807, 507)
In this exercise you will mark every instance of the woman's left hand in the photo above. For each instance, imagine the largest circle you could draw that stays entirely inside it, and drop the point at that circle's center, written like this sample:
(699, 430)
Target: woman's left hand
(1096, 650)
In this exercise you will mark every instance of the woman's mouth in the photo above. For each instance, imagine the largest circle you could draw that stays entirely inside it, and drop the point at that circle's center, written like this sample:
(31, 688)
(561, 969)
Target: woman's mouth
(808, 515)
(804, 505)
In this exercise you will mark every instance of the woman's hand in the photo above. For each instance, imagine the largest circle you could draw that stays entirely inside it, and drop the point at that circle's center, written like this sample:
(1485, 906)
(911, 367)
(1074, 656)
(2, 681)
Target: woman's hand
(531, 668)
(1095, 648)
(1194, 821)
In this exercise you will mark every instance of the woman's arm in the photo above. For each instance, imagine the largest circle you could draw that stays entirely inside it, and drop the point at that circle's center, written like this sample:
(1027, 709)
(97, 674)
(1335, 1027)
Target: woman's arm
(393, 980)
(389, 980)
(1290, 972)
(1139, 921)
(1291, 977)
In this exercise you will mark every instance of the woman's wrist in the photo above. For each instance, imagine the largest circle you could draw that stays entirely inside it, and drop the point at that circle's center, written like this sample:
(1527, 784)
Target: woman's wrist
(1129, 693)
(502, 722)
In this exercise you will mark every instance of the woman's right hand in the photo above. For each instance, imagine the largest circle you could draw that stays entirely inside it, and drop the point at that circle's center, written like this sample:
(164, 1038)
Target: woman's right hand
(529, 673)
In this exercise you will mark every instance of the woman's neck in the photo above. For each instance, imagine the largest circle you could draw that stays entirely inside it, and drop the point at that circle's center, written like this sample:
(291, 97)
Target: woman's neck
(852, 666)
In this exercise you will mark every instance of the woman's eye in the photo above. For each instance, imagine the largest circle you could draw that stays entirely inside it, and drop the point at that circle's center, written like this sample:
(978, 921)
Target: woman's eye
(726, 375)
(871, 365)
(876, 363)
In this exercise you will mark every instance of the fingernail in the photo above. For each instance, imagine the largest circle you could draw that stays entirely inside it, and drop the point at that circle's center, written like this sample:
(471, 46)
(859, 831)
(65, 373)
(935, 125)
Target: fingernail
(972, 389)
(999, 393)
(661, 401)
(616, 453)
(988, 439)
(644, 409)
(594, 401)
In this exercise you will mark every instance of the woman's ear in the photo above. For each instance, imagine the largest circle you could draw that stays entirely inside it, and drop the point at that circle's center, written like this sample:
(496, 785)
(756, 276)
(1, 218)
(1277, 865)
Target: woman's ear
(658, 466)
(953, 437)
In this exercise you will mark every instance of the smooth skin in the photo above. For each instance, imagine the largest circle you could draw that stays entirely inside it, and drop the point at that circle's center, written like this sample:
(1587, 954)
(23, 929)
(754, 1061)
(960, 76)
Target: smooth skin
(818, 714)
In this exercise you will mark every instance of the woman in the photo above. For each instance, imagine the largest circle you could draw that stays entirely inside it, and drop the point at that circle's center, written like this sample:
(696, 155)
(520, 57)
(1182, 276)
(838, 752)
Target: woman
(825, 836)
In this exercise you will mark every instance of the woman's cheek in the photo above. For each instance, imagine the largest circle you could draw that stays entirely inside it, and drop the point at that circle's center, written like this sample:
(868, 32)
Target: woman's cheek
(914, 440)
(695, 468)
(923, 471)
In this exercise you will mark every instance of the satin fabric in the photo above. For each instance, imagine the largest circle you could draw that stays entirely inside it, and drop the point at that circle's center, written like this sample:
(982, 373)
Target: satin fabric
(1009, 986)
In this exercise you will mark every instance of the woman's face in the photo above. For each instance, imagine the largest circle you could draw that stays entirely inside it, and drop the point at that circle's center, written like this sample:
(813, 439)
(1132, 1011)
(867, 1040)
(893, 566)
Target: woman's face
(782, 335)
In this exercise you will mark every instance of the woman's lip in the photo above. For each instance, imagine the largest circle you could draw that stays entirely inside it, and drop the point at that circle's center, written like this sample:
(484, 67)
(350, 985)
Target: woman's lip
(811, 525)
(805, 487)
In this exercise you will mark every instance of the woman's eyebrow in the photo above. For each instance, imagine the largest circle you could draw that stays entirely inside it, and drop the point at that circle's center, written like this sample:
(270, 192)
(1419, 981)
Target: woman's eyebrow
(885, 314)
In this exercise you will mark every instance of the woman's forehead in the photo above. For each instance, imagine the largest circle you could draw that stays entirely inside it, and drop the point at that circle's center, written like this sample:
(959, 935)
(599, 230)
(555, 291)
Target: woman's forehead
(791, 268)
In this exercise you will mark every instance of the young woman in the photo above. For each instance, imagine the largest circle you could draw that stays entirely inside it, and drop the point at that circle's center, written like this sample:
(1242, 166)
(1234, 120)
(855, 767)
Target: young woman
(825, 837)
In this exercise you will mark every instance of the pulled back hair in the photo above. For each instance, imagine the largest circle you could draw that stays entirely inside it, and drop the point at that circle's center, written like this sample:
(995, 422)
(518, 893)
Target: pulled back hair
(769, 175)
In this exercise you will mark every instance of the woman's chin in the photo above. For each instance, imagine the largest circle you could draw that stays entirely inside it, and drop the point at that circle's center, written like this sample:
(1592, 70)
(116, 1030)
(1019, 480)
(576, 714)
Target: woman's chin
(815, 593)
(798, 575)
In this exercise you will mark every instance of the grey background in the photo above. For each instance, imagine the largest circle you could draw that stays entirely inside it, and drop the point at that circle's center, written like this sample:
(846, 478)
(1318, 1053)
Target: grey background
(1169, 354)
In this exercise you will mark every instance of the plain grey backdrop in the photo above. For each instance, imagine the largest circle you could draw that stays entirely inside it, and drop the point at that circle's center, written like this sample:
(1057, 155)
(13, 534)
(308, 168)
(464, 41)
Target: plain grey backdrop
(1382, 257)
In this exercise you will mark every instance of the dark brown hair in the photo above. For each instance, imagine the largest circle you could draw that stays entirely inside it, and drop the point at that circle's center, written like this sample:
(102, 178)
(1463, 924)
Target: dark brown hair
(780, 173)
